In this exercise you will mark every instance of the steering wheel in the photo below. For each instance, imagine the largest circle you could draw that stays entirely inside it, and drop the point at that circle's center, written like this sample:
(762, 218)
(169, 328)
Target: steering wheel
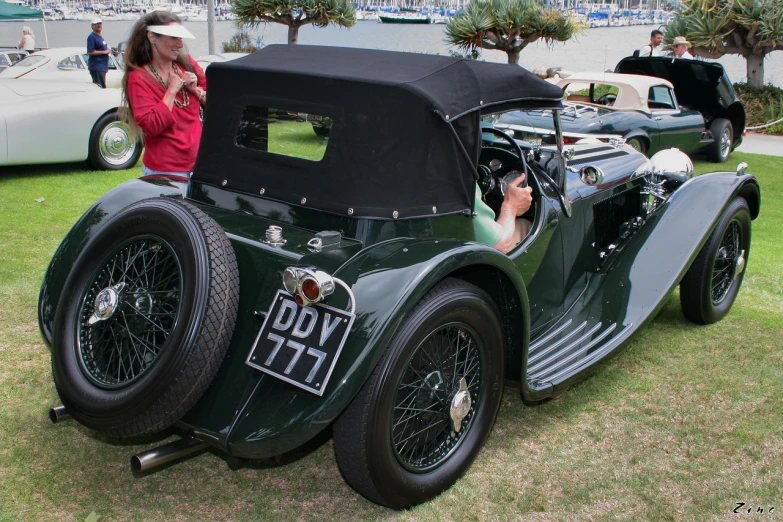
(517, 149)
(606, 99)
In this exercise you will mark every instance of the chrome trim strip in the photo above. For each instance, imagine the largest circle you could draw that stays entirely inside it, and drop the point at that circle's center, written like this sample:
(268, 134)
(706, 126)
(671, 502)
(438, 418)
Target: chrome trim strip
(548, 337)
(595, 356)
(546, 363)
(581, 351)
(559, 343)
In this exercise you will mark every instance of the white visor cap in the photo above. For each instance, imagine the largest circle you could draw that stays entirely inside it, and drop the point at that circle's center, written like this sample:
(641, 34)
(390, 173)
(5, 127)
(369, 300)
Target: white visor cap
(174, 30)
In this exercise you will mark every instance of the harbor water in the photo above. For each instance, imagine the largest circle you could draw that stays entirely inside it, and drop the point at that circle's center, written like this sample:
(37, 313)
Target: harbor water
(597, 49)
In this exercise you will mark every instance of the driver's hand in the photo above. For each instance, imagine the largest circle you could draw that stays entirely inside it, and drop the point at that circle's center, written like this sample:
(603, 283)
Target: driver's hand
(518, 198)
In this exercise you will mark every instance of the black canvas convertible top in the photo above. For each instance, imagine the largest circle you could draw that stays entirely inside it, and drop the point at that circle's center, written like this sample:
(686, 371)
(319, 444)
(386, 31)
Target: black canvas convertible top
(404, 134)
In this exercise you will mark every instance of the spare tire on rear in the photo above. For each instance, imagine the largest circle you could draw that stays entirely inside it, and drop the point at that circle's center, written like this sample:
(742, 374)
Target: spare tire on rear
(145, 318)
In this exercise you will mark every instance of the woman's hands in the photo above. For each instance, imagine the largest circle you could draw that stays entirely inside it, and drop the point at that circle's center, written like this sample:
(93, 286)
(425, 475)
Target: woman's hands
(188, 81)
(175, 83)
(191, 82)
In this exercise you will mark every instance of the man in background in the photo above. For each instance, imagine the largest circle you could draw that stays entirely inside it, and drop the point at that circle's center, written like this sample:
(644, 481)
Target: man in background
(99, 53)
(654, 48)
(681, 46)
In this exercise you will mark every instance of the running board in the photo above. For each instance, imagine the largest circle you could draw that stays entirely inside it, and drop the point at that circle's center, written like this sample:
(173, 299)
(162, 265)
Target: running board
(569, 349)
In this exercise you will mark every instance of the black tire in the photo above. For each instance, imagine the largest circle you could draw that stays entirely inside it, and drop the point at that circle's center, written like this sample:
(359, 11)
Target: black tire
(111, 144)
(322, 131)
(723, 135)
(637, 144)
(174, 276)
(711, 284)
(372, 436)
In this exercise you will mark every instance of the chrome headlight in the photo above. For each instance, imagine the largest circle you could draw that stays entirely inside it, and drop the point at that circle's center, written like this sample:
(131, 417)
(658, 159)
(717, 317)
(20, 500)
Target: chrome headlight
(673, 166)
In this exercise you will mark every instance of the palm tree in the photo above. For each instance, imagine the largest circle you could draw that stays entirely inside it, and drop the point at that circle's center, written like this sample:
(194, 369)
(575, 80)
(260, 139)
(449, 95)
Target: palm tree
(508, 26)
(294, 13)
(751, 28)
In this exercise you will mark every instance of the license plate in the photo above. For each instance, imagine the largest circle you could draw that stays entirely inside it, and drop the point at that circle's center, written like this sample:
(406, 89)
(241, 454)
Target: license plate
(314, 117)
(300, 344)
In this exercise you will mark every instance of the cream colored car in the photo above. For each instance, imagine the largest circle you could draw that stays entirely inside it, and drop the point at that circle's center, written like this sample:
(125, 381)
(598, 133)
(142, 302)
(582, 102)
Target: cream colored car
(60, 122)
(61, 64)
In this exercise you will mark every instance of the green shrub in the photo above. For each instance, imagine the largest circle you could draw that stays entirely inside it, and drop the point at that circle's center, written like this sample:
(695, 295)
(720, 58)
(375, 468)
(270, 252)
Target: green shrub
(474, 54)
(762, 105)
(242, 42)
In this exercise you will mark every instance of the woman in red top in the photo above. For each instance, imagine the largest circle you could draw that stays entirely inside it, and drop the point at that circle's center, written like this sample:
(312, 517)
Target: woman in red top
(164, 89)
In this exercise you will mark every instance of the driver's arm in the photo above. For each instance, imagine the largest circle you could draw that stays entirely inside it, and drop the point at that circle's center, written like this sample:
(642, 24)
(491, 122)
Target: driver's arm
(516, 202)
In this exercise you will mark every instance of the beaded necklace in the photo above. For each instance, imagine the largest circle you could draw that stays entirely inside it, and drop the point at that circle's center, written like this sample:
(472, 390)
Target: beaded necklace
(185, 98)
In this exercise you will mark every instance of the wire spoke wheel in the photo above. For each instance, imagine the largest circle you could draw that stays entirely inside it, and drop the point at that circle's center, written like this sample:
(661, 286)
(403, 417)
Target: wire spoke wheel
(145, 318)
(423, 432)
(422, 417)
(709, 288)
(724, 266)
(128, 312)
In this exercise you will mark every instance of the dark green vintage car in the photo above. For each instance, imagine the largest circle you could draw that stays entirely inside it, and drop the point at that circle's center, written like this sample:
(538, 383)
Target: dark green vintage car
(296, 283)
(652, 103)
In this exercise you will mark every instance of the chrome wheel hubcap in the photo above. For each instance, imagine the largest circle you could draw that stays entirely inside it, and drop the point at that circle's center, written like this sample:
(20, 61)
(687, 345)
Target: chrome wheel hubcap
(115, 143)
(739, 264)
(460, 405)
(725, 143)
(106, 303)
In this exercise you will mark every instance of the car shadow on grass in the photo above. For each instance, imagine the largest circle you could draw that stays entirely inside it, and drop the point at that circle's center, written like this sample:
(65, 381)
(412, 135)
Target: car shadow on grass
(23, 171)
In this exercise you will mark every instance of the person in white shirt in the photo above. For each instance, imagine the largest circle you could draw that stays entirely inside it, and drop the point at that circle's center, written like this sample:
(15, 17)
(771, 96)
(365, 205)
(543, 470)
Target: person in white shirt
(681, 46)
(27, 43)
(654, 48)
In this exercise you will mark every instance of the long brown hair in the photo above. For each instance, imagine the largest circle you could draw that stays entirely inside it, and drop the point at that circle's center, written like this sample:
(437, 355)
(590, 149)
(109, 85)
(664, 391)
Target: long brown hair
(139, 54)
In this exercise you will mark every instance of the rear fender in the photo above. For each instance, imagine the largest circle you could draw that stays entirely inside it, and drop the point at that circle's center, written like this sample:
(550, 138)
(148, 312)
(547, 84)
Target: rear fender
(388, 280)
(640, 134)
(86, 227)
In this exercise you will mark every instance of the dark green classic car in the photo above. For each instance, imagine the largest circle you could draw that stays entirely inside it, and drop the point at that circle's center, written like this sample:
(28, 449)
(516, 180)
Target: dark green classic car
(295, 283)
(652, 103)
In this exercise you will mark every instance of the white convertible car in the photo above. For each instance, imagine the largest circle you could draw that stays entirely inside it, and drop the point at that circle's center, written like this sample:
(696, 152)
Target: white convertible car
(59, 122)
(61, 64)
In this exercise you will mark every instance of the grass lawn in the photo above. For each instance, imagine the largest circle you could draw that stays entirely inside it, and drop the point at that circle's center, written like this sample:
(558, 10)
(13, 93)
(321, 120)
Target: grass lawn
(682, 425)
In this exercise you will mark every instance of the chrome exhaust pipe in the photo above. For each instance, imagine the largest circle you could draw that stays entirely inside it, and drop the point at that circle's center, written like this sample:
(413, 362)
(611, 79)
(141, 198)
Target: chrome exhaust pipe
(58, 414)
(162, 454)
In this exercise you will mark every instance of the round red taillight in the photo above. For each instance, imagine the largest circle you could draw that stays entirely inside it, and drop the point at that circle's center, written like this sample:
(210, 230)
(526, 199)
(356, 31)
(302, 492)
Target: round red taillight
(310, 289)
(299, 300)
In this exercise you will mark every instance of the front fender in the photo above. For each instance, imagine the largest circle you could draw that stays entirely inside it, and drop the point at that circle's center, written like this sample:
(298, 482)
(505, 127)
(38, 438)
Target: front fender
(634, 284)
(86, 227)
(387, 279)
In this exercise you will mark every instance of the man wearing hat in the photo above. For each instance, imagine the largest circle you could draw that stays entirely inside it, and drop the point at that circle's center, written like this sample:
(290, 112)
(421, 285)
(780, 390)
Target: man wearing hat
(99, 53)
(681, 46)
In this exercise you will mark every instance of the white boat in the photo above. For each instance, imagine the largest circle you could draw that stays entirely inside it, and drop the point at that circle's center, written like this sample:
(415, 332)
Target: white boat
(366, 15)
